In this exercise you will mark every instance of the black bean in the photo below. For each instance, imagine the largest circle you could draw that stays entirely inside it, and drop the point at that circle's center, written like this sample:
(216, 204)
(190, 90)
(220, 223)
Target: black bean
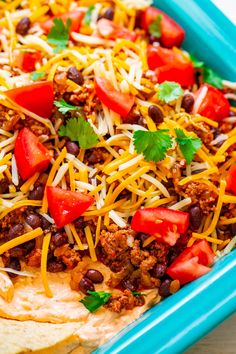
(15, 231)
(36, 193)
(14, 263)
(72, 148)
(45, 224)
(29, 246)
(75, 75)
(55, 266)
(142, 236)
(188, 102)
(233, 229)
(23, 26)
(4, 186)
(94, 275)
(155, 113)
(164, 289)
(86, 285)
(17, 252)
(159, 270)
(109, 14)
(59, 239)
(130, 284)
(196, 215)
(33, 220)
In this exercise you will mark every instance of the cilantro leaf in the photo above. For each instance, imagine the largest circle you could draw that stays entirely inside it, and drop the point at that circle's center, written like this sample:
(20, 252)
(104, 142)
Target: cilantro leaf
(209, 75)
(169, 91)
(95, 299)
(197, 64)
(136, 293)
(35, 75)
(212, 78)
(59, 34)
(78, 129)
(187, 144)
(155, 27)
(153, 145)
(65, 107)
(88, 14)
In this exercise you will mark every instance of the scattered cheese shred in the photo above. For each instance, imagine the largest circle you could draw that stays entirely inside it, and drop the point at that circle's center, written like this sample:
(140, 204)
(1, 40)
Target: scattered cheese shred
(51, 176)
(20, 204)
(76, 236)
(90, 242)
(29, 183)
(198, 175)
(20, 239)
(215, 219)
(46, 242)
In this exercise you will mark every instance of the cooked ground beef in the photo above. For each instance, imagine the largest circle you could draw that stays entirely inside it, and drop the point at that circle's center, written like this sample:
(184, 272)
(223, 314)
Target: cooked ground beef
(126, 301)
(68, 256)
(199, 193)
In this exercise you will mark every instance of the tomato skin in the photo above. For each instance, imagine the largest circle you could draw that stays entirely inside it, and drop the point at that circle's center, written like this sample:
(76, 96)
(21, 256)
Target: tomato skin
(165, 224)
(231, 179)
(170, 65)
(192, 263)
(31, 156)
(37, 97)
(187, 270)
(214, 105)
(75, 16)
(26, 60)
(110, 30)
(66, 206)
(118, 102)
(172, 34)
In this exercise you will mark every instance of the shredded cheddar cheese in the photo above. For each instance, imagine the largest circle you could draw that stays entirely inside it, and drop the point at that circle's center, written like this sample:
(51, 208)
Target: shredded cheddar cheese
(20, 239)
(46, 242)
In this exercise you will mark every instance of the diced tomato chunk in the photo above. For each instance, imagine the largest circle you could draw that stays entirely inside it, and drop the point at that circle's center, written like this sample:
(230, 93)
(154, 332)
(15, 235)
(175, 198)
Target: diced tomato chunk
(163, 223)
(192, 263)
(172, 34)
(170, 65)
(66, 206)
(75, 16)
(231, 179)
(214, 104)
(108, 29)
(117, 101)
(31, 156)
(37, 97)
(26, 60)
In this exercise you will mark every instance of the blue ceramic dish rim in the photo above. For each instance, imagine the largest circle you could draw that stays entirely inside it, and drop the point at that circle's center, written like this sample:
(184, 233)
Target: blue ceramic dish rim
(141, 336)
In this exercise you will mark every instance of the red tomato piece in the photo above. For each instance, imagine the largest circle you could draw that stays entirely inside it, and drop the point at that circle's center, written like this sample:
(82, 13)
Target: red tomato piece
(192, 263)
(31, 156)
(26, 60)
(214, 105)
(170, 65)
(231, 179)
(165, 224)
(66, 206)
(172, 34)
(108, 29)
(75, 16)
(118, 102)
(37, 98)
(188, 270)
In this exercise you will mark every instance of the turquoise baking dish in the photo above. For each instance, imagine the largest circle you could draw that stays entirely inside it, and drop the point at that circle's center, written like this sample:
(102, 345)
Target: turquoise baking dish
(182, 319)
